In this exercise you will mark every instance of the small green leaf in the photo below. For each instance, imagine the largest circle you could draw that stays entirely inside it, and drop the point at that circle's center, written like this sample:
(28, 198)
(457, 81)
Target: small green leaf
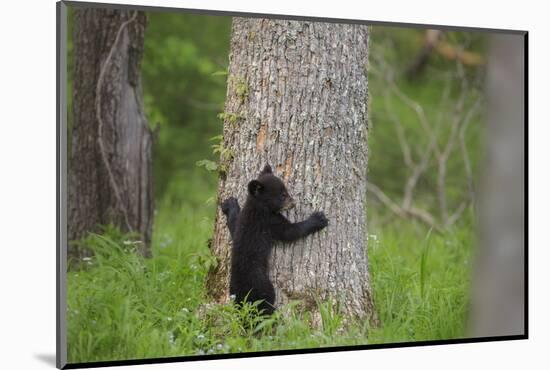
(209, 165)
(220, 73)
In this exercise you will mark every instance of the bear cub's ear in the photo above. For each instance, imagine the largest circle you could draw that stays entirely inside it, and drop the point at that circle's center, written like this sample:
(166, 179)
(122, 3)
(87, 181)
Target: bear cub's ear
(255, 187)
(267, 169)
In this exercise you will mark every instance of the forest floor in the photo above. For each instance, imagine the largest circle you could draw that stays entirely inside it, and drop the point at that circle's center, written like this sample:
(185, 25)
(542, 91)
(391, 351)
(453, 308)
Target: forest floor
(121, 306)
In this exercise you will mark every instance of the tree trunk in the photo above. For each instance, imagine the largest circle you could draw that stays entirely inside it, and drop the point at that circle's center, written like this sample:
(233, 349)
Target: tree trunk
(498, 306)
(297, 99)
(110, 170)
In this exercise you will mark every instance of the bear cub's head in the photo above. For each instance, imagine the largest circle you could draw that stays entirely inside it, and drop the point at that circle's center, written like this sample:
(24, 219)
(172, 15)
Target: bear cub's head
(270, 191)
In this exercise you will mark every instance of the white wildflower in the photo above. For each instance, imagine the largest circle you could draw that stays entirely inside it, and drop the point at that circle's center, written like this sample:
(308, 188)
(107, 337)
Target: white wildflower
(131, 242)
(171, 338)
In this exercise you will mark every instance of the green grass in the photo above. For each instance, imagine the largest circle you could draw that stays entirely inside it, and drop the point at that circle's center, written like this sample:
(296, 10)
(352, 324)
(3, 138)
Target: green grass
(421, 282)
(121, 306)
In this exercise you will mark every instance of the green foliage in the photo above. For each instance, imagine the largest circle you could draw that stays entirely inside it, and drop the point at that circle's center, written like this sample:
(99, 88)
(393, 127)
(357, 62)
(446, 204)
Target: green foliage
(232, 118)
(436, 92)
(183, 90)
(209, 165)
(220, 73)
(420, 296)
(122, 306)
(240, 86)
(331, 317)
(423, 261)
(225, 156)
(218, 148)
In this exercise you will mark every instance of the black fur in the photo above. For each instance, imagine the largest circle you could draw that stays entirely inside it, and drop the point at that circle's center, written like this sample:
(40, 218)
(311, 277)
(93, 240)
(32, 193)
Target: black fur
(255, 229)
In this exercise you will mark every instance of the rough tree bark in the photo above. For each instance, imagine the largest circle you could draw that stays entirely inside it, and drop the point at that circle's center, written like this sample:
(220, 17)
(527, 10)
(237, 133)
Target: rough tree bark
(110, 172)
(297, 99)
(499, 283)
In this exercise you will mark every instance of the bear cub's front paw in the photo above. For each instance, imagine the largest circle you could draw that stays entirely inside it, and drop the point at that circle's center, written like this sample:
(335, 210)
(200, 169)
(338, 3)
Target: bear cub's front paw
(229, 204)
(318, 220)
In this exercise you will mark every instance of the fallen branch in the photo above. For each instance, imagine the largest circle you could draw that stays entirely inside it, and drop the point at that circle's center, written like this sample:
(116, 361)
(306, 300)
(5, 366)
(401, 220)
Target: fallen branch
(418, 213)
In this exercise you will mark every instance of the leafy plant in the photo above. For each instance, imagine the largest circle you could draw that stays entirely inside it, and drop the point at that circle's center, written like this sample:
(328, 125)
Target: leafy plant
(423, 262)
(208, 164)
(232, 118)
(225, 155)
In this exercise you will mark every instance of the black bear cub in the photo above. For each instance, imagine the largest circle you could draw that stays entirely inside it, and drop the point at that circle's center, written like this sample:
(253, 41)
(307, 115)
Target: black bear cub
(254, 229)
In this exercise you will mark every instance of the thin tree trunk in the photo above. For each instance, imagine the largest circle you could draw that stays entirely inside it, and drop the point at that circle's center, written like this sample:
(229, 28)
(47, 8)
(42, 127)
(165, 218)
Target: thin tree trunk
(110, 171)
(297, 99)
(498, 306)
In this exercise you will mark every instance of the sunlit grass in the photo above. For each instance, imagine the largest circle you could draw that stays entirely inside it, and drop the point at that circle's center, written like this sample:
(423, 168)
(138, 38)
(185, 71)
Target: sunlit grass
(421, 283)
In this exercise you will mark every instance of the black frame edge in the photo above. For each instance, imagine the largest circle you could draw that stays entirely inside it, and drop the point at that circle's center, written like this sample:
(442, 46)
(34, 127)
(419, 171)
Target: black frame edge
(526, 180)
(146, 361)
